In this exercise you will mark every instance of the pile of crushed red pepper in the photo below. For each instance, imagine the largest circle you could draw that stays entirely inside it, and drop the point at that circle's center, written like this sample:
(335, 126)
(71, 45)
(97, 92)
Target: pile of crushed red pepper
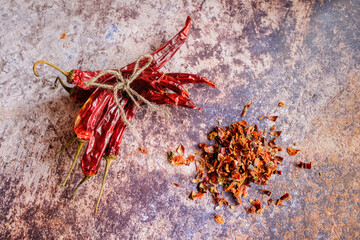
(242, 154)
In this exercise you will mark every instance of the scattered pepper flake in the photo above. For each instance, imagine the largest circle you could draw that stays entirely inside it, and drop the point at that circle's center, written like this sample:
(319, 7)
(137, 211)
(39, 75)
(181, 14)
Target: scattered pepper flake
(178, 160)
(219, 219)
(243, 114)
(261, 118)
(281, 104)
(256, 207)
(194, 195)
(296, 143)
(190, 159)
(273, 127)
(171, 155)
(63, 36)
(305, 165)
(175, 184)
(285, 197)
(181, 150)
(267, 192)
(292, 151)
(143, 150)
(272, 118)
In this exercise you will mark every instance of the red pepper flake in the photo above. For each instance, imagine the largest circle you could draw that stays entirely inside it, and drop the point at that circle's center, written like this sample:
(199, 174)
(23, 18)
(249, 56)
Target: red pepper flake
(181, 150)
(243, 114)
(175, 184)
(256, 207)
(194, 196)
(276, 133)
(270, 202)
(281, 104)
(219, 219)
(144, 151)
(178, 160)
(212, 135)
(292, 151)
(272, 118)
(285, 197)
(273, 128)
(279, 202)
(190, 159)
(277, 172)
(267, 192)
(261, 118)
(304, 165)
(63, 36)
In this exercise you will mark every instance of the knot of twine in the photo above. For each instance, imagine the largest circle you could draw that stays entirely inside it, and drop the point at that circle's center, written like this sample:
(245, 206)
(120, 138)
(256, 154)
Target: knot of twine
(124, 85)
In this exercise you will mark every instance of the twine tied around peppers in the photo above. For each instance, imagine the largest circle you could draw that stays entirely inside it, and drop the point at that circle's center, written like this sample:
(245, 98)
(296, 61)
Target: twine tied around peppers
(124, 85)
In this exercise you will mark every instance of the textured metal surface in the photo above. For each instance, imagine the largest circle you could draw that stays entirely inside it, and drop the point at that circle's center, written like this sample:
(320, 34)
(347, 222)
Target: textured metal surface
(304, 53)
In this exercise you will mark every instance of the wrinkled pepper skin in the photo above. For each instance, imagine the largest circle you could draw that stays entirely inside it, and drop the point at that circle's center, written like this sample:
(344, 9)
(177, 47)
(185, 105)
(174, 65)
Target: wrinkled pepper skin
(113, 148)
(100, 137)
(90, 113)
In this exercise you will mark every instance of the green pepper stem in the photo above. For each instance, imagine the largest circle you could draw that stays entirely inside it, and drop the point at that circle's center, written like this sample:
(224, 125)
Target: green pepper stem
(82, 181)
(109, 160)
(50, 64)
(67, 144)
(80, 145)
(68, 89)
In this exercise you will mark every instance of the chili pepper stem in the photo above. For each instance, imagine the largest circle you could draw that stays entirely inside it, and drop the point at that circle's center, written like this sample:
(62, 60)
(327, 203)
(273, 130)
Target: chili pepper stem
(50, 64)
(68, 89)
(109, 160)
(77, 187)
(67, 144)
(80, 145)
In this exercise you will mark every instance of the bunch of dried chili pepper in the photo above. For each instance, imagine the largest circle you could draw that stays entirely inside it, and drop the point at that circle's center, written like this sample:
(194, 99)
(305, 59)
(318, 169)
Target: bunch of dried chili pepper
(100, 121)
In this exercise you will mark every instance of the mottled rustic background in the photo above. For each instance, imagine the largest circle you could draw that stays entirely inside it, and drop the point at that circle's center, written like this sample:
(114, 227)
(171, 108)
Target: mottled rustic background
(304, 53)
